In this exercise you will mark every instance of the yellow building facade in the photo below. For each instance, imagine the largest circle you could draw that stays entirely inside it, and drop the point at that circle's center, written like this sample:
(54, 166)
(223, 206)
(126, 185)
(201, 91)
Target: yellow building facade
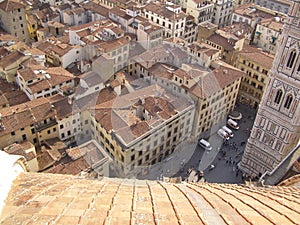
(142, 134)
(256, 65)
(34, 121)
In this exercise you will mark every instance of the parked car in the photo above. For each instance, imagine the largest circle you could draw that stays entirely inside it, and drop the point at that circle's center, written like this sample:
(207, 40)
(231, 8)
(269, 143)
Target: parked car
(228, 131)
(222, 133)
(233, 124)
(205, 144)
(211, 167)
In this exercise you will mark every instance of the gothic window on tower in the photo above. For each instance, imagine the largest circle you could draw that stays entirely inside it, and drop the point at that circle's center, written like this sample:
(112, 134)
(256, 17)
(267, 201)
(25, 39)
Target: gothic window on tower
(298, 69)
(291, 59)
(278, 96)
(288, 101)
(258, 134)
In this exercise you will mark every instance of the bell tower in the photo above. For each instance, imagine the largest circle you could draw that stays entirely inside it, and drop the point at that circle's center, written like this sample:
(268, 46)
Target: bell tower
(276, 130)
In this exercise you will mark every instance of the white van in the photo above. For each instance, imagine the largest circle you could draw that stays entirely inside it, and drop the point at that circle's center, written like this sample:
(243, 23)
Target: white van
(228, 131)
(205, 144)
(232, 124)
(222, 133)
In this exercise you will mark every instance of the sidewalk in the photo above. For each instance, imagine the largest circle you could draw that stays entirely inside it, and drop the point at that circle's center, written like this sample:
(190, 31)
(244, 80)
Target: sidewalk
(174, 163)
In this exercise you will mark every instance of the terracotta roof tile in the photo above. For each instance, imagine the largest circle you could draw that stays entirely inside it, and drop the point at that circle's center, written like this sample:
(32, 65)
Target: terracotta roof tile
(25, 114)
(9, 5)
(97, 8)
(64, 197)
(109, 46)
(117, 114)
(58, 75)
(257, 55)
(21, 149)
(12, 58)
(160, 9)
(215, 80)
(222, 41)
(61, 105)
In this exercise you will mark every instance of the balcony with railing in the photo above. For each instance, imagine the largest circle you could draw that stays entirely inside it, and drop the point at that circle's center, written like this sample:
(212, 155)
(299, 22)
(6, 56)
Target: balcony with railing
(39, 126)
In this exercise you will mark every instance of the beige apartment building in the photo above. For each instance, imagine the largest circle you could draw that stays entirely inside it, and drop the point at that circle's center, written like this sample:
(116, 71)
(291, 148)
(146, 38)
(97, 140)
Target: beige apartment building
(10, 64)
(228, 43)
(13, 19)
(213, 92)
(169, 16)
(267, 34)
(212, 86)
(34, 121)
(141, 128)
(256, 65)
(38, 81)
(201, 10)
(222, 12)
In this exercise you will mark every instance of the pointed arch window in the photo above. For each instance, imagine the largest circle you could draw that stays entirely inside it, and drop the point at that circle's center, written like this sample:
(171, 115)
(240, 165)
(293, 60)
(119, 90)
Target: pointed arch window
(291, 59)
(278, 96)
(288, 101)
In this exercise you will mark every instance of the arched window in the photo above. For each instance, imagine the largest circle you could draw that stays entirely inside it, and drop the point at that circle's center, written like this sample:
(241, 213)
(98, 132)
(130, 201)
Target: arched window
(291, 59)
(288, 101)
(278, 96)
(298, 70)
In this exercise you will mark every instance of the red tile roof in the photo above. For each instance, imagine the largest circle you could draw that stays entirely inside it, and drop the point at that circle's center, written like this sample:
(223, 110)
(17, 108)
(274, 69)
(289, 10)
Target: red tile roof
(221, 41)
(256, 55)
(41, 198)
(215, 80)
(9, 5)
(23, 115)
(21, 149)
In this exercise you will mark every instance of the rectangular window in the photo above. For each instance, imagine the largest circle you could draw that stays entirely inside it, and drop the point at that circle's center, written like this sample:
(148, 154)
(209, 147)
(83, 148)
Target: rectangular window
(169, 134)
(140, 162)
